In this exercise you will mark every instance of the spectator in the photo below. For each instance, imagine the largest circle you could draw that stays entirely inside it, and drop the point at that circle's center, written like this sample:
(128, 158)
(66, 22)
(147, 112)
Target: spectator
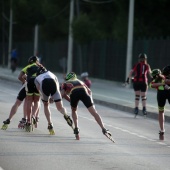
(85, 79)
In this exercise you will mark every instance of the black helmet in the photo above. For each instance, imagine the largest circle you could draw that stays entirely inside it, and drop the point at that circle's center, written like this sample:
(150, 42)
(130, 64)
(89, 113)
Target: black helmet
(70, 75)
(33, 59)
(155, 72)
(41, 70)
(142, 56)
(166, 71)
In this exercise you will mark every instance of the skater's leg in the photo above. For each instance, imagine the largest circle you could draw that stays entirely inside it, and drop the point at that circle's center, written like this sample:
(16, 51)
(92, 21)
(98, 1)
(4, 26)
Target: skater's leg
(75, 117)
(29, 108)
(143, 97)
(25, 108)
(97, 117)
(36, 105)
(37, 113)
(137, 98)
(62, 110)
(14, 108)
(161, 120)
(47, 112)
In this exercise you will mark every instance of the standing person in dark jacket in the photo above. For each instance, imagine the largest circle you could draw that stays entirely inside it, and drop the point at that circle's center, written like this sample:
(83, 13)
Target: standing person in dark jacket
(140, 82)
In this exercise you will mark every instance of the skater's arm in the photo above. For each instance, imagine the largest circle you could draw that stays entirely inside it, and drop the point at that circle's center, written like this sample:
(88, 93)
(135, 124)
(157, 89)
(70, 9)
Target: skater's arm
(21, 77)
(65, 96)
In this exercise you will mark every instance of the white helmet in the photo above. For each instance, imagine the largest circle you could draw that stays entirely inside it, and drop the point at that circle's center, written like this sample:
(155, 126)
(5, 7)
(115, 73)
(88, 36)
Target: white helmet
(85, 74)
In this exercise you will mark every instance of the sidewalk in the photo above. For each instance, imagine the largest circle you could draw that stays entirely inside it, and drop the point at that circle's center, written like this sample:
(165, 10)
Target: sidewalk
(108, 93)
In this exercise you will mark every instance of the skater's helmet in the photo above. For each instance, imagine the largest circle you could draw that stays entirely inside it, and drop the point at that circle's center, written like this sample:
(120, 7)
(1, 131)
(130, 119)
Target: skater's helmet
(155, 72)
(166, 71)
(70, 76)
(33, 59)
(142, 57)
(41, 70)
(85, 74)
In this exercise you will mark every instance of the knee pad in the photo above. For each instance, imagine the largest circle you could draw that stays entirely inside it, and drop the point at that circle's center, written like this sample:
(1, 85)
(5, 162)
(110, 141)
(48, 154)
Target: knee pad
(137, 97)
(161, 109)
(144, 98)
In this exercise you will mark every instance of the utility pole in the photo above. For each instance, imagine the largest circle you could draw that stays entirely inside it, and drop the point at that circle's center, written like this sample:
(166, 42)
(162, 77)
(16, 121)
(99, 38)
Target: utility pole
(130, 38)
(3, 35)
(10, 35)
(70, 38)
(36, 40)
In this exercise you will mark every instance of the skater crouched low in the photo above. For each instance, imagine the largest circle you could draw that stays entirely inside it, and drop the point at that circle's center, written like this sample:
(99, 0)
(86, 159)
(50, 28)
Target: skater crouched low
(74, 90)
(48, 86)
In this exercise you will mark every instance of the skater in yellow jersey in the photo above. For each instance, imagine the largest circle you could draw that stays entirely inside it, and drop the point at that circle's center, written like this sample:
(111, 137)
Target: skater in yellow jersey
(74, 90)
(27, 76)
(163, 94)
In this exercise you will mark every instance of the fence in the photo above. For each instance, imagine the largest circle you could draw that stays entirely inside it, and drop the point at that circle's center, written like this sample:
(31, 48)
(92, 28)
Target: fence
(102, 59)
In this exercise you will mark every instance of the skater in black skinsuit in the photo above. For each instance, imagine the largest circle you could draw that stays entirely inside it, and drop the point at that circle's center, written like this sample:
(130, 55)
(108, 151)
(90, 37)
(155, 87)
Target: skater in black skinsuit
(74, 90)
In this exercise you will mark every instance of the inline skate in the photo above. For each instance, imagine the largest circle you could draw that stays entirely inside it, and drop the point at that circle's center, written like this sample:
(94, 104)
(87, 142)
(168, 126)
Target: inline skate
(50, 128)
(22, 123)
(76, 132)
(161, 135)
(108, 134)
(28, 127)
(144, 112)
(68, 120)
(136, 110)
(35, 121)
(5, 125)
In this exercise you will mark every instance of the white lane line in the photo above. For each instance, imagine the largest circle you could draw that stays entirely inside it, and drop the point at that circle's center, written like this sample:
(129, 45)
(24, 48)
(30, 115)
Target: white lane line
(135, 134)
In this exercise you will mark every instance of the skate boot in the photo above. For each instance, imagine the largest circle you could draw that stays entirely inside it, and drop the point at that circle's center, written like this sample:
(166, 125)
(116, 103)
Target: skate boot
(35, 121)
(144, 112)
(76, 132)
(28, 127)
(108, 134)
(161, 135)
(50, 128)
(69, 121)
(5, 125)
(136, 110)
(22, 123)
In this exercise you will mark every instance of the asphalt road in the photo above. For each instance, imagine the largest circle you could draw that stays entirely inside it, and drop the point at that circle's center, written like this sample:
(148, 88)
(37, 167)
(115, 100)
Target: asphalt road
(137, 144)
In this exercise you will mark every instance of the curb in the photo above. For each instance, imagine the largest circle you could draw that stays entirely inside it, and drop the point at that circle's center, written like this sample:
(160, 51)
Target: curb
(129, 110)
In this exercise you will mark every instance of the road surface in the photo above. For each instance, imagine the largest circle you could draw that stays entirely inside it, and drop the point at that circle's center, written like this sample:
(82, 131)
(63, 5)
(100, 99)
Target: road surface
(137, 144)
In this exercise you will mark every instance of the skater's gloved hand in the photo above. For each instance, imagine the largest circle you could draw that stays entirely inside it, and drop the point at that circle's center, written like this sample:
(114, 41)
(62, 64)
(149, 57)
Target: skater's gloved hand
(166, 87)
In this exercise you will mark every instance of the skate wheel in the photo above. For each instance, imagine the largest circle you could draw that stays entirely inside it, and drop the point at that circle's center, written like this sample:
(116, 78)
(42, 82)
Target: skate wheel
(35, 125)
(77, 137)
(4, 127)
(52, 132)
